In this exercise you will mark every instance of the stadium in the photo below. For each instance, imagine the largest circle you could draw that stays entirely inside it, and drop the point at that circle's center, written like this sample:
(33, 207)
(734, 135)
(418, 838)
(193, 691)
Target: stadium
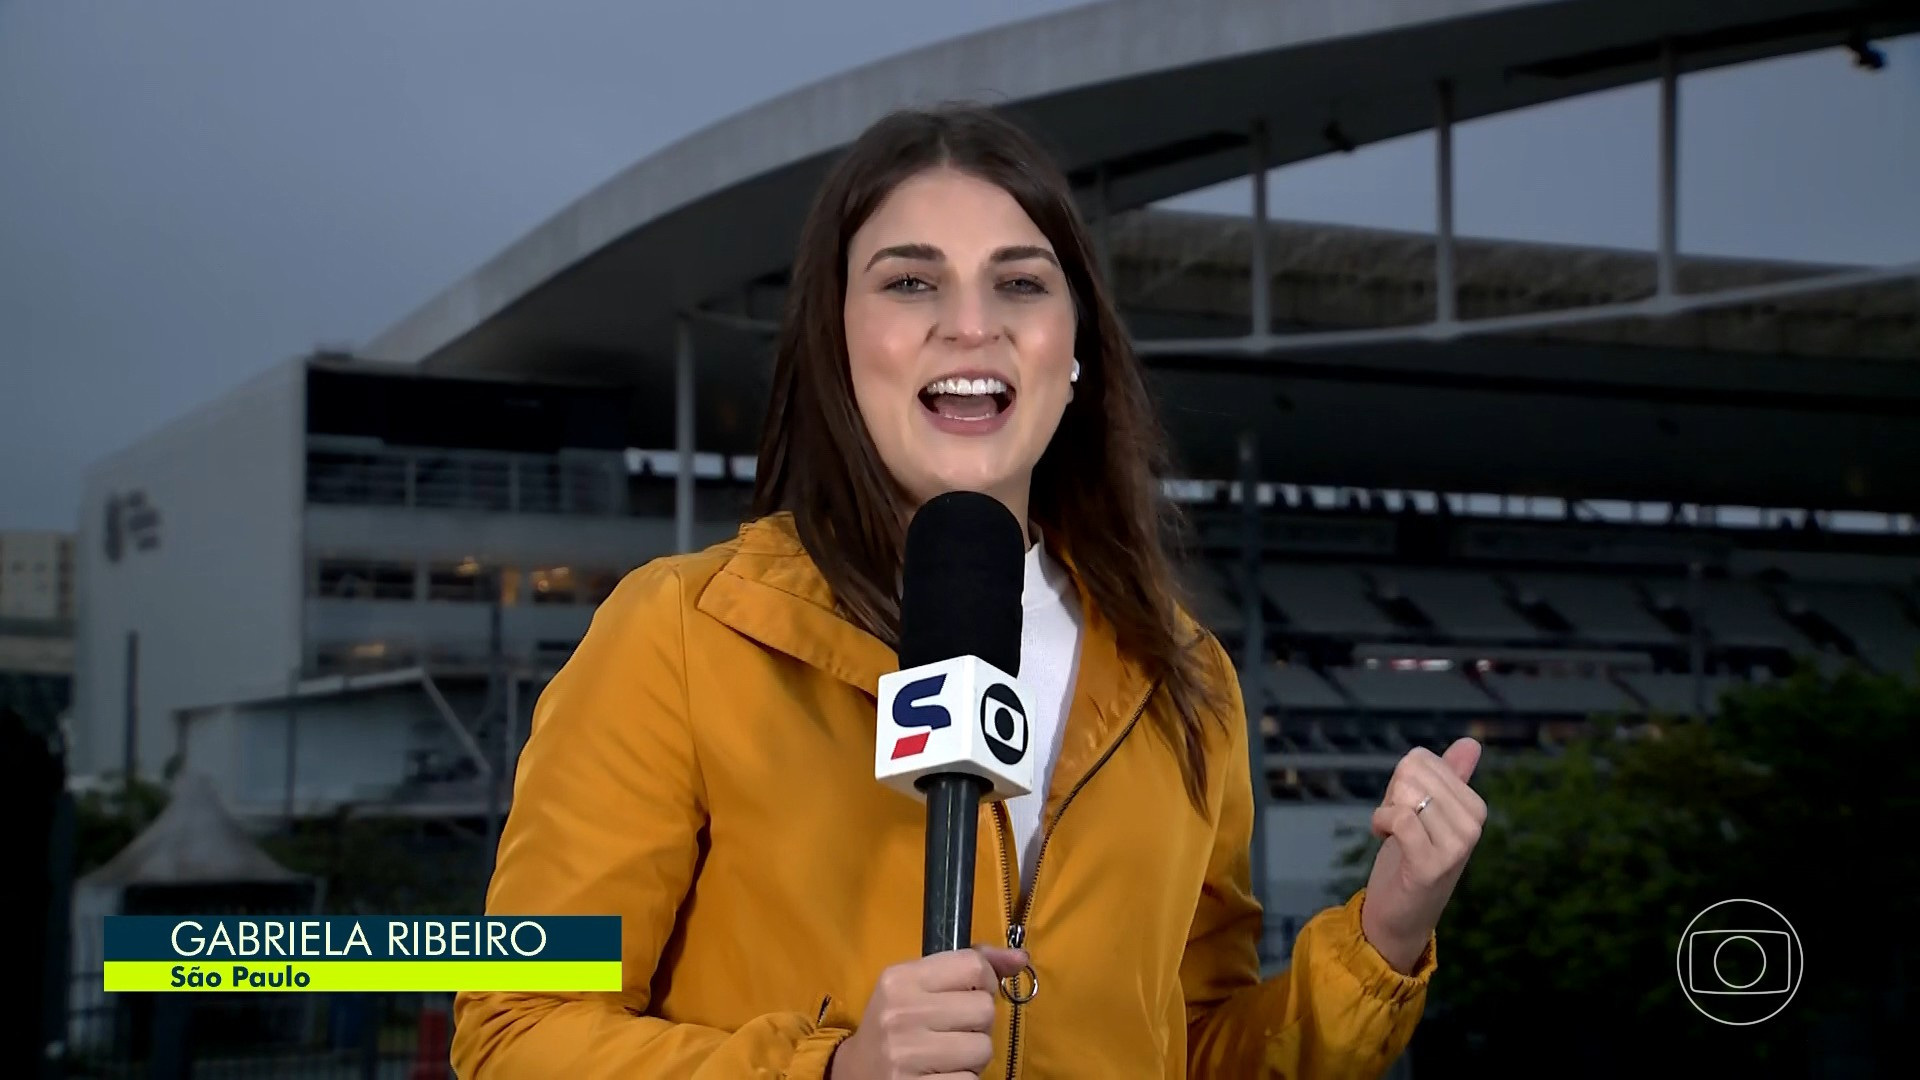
(1437, 485)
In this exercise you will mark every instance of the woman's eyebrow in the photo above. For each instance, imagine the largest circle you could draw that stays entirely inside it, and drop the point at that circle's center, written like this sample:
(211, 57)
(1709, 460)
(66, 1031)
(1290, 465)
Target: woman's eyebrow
(1017, 252)
(929, 253)
(916, 252)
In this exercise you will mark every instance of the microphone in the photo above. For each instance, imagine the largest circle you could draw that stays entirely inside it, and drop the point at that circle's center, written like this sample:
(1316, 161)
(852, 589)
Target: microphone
(953, 719)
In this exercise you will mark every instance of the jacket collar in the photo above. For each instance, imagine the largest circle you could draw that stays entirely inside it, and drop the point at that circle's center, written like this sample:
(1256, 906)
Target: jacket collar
(770, 591)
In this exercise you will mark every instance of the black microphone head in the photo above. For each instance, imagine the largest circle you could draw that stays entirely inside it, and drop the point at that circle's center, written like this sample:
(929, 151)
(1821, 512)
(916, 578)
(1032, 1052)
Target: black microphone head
(960, 586)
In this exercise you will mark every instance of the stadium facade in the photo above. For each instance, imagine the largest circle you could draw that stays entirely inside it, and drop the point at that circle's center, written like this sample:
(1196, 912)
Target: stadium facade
(1499, 487)
(350, 555)
(320, 560)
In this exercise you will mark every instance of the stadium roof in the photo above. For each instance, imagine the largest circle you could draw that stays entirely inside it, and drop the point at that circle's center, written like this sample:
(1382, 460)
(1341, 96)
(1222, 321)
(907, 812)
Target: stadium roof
(1179, 272)
(1145, 100)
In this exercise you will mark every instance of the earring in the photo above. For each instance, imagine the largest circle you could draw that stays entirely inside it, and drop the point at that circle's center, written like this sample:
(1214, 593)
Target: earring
(1074, 376)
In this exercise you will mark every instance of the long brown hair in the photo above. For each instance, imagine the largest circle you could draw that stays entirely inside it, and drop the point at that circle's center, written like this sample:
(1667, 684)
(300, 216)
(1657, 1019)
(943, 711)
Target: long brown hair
(1096, 488)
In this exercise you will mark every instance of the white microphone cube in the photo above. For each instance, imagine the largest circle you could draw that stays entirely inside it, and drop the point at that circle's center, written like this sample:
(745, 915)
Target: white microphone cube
(961, 715)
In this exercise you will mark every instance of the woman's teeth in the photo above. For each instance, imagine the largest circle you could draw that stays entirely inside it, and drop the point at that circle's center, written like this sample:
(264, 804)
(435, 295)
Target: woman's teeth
(966, 386)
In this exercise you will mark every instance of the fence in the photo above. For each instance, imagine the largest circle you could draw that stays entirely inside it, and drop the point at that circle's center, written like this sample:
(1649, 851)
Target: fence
(214, 1036)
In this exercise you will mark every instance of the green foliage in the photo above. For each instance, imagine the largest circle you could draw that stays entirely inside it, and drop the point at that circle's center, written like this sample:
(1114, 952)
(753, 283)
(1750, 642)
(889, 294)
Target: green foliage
(1561, 938)
(382, 866)
(107, 820)
(369, 865)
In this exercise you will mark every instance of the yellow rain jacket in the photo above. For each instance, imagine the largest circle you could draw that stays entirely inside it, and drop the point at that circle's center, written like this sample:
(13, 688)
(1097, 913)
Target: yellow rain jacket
(703, 768)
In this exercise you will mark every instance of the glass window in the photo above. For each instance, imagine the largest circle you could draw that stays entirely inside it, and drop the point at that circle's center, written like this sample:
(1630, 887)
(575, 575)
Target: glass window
(597, 585)
(463, 582)
(364, 579)
(554, 585)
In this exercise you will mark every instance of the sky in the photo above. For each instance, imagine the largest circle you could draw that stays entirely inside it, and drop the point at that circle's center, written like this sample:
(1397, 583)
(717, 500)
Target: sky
(193, 191)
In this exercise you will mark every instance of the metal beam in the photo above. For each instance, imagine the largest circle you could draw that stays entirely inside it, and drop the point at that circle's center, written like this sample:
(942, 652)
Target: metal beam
(683, 435)
(1325, 761)
(1697, 635)
(1255, 345)
(1253, 656)
(1259, 280)
(1103, 224)
(1334, 761)
(293, 741)
(510, 759)
(1444, 310)
(460, 732)
(1666, 273)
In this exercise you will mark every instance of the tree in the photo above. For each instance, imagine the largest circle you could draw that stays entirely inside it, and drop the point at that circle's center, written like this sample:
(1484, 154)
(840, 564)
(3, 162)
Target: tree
(375, 865)
(106, 820)
(1558, 953)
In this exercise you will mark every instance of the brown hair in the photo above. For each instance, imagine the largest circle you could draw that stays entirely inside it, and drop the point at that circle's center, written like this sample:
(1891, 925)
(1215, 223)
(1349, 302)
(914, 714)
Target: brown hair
(1095, 490)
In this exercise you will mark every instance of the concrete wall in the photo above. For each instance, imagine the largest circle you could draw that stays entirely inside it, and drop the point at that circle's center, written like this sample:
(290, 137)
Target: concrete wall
(346, 749)
(206, 572)
(1303, 849)
(351, 748)
(525, 540)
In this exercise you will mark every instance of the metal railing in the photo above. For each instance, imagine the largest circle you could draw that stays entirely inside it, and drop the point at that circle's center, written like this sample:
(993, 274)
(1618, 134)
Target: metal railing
(356, 658)
(468, 480)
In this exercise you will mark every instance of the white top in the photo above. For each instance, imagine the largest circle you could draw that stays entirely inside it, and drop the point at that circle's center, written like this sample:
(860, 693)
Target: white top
(1049, 659)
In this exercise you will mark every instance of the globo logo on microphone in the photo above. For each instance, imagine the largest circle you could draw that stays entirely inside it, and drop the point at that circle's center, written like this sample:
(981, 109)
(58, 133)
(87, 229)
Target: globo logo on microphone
(1003, 720)
(960, 715)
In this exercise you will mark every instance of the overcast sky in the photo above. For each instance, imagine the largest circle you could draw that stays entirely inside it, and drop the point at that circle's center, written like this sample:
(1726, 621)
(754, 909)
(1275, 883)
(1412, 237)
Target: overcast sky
(193, 190)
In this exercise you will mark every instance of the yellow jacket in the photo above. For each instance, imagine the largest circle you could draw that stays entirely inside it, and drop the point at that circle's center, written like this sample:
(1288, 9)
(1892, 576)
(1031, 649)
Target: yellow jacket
(703, 767)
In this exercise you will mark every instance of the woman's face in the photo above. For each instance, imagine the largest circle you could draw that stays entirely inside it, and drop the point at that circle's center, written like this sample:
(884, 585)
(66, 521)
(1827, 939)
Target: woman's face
(959, 337)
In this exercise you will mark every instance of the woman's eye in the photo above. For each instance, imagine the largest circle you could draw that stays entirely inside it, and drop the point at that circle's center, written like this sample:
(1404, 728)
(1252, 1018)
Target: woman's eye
(1024, 286)
(908, 284)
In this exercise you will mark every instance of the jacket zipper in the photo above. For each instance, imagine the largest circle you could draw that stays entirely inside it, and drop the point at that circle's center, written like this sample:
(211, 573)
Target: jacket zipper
(1017, 928)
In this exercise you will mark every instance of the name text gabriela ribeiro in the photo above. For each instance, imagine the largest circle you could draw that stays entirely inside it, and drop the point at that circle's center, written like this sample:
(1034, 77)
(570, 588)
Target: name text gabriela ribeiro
(360, 953)
(391, 939)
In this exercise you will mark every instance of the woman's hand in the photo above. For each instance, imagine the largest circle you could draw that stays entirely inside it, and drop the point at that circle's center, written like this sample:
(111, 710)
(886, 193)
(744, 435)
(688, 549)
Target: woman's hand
(929, 1017)
(1431, 820)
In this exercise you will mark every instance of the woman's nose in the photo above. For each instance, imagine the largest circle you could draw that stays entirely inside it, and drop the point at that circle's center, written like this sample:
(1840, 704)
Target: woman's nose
(967, 318)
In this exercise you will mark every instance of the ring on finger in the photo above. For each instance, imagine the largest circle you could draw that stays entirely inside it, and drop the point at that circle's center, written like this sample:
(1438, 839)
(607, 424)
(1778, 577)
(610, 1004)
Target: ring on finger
(1422, 806)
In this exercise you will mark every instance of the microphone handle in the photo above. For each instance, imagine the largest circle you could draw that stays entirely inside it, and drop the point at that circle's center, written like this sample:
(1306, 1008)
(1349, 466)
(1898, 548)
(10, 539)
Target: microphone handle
(953, 836)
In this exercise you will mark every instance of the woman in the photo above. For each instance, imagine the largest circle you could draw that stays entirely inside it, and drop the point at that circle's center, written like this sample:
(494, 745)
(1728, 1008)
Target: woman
(703, 765)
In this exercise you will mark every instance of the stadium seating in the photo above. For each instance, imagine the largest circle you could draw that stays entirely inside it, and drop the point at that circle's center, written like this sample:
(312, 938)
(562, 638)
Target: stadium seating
(1381, 690)
(1463, 606)
(1569, 695)
(1600, 610)
(1673, 692)
(1375, 650)
(1869, 616)
(1299, 690)
(1324, 600)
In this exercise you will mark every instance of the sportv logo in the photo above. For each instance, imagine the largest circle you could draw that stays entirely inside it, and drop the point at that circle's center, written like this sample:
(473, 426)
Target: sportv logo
(914, 708)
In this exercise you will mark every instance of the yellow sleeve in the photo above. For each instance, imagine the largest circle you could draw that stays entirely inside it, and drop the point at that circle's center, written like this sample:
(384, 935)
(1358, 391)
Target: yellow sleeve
(1338, 1010)
(608, 805)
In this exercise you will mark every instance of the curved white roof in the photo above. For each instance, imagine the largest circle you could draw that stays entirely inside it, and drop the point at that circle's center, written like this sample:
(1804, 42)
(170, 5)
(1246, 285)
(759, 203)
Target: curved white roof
(1159, 95)
(1159, 99)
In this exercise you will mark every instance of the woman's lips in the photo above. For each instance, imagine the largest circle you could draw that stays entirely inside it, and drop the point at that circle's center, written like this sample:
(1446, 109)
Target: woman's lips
(967, 414)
